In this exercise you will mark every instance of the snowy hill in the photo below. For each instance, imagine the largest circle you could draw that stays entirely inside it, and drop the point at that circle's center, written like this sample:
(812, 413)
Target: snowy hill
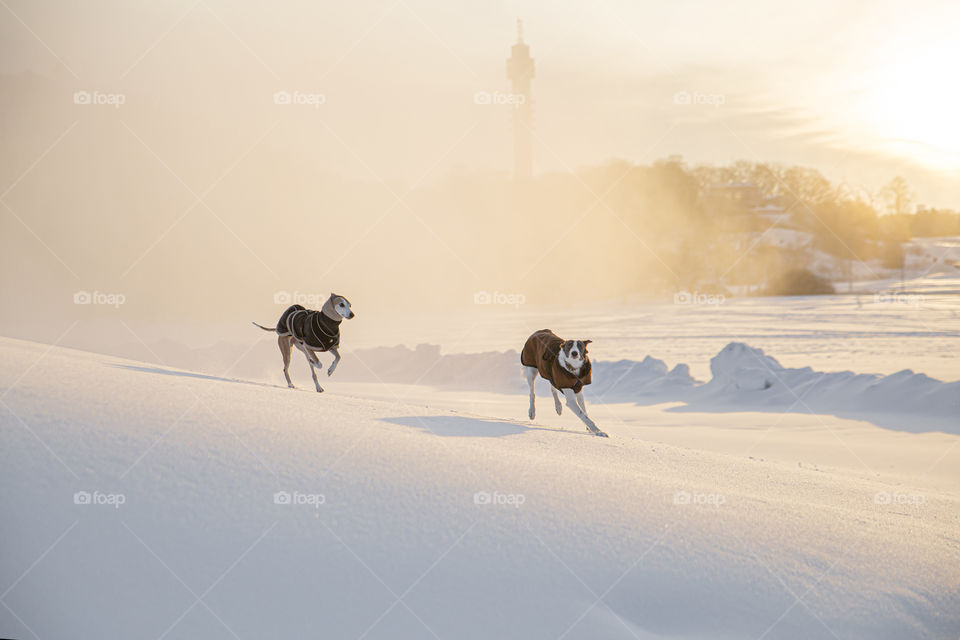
(144, 502)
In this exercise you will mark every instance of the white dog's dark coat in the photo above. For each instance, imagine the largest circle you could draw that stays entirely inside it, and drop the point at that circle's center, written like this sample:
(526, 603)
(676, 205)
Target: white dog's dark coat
(315, 329)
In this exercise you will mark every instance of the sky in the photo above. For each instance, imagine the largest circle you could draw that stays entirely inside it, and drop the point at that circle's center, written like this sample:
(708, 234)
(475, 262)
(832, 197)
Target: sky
(861, 90)
(146, 151)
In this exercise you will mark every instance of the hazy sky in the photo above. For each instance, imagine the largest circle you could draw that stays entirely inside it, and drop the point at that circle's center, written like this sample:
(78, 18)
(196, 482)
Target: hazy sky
(861, 90)
(186, 187)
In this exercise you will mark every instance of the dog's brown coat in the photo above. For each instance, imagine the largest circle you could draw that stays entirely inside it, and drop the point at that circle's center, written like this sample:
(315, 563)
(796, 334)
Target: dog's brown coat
(542, 350)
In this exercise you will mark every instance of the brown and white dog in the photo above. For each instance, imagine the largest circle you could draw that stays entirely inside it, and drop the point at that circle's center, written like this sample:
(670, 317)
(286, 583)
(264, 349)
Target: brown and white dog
(565, 365)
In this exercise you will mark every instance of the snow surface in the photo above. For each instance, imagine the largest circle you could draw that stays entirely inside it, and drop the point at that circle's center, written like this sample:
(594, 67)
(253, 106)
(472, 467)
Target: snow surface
(884, 327)
(828, 528)
(743, 378)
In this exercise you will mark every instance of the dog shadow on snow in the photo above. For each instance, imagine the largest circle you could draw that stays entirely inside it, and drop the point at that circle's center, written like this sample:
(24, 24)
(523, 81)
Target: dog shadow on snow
(466, 426)
(191, 374)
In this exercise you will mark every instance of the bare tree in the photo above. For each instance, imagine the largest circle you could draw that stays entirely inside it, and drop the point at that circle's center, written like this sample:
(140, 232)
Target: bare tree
(897, 196)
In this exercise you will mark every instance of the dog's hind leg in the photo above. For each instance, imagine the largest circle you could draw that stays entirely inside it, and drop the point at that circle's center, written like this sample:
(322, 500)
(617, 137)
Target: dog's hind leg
(530, 373)
(572, 402)
(314, 363)
(556, 400)
(286, 346)
(336, 361)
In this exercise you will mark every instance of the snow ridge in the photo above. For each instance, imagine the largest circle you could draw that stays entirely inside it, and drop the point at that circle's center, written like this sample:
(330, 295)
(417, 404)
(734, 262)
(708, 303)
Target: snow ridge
(742, 378)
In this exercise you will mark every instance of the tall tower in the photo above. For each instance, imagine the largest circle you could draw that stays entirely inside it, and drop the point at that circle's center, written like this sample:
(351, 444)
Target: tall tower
(520, 73)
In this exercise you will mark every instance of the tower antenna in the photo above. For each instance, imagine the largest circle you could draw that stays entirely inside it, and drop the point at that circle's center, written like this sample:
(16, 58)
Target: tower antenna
(520, 72)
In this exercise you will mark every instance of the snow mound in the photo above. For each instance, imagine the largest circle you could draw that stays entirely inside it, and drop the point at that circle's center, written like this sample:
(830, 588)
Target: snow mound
(742, 378)
(621, 380)
(745, 377)
(624, 380)
(741, 367)
(490, 371)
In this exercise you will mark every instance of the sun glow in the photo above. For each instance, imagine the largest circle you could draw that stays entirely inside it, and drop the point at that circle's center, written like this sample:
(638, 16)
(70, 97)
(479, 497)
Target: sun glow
(915, 102)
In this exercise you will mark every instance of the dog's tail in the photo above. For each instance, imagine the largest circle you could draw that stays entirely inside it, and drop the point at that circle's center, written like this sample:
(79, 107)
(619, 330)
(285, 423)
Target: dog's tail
(263, 327)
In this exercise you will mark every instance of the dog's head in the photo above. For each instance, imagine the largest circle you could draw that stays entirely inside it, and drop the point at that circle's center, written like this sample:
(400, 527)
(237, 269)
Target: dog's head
(574, 352)
(340, 306)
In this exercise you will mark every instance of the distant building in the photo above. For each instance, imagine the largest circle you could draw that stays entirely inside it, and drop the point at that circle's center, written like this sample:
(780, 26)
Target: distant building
(520, 71)
(745, 198)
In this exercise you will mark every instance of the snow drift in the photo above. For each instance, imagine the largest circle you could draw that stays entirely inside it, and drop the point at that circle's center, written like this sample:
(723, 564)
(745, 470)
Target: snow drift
(742, 378)
(500, 371)
(746, 378)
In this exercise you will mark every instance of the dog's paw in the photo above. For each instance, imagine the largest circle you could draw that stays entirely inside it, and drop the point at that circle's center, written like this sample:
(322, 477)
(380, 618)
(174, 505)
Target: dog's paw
(559, 408)
(600, 434)
(532, 413)
(329, 372)
(319, 389)
(291, 386)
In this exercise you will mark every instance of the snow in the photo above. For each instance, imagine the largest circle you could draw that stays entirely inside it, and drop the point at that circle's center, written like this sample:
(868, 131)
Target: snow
(746, 377)
(883, 328)
(437, 511)
(743, 377)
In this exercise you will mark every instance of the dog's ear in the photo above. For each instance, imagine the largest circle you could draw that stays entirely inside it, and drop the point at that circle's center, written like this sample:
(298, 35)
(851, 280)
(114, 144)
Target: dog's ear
(586, 342)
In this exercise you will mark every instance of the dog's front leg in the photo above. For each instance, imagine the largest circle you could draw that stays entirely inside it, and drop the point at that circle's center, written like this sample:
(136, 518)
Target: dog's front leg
(556, 400)
(336, 361)
(580, 402)
(572, 402)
